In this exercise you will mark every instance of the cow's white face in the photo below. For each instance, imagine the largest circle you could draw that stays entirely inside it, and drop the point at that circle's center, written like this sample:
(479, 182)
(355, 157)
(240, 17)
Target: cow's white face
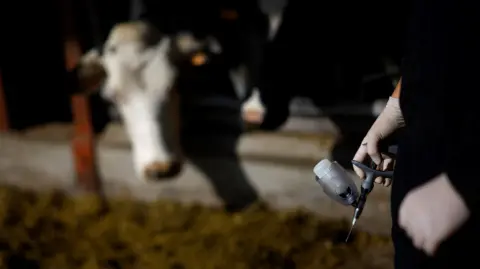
(139, 82)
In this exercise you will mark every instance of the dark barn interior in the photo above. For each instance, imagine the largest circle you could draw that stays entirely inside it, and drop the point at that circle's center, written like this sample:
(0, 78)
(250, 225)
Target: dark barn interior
(320, 53)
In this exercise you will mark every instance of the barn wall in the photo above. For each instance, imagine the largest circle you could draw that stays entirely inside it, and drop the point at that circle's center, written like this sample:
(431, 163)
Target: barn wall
(320, 53)
(31, 61)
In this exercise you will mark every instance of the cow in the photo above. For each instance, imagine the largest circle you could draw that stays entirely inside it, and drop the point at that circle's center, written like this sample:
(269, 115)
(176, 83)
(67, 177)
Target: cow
(146, 58)
(141, 66)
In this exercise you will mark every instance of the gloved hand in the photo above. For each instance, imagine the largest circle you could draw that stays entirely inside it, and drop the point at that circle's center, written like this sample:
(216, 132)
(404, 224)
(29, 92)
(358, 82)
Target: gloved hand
(387, 122)
(430, 213)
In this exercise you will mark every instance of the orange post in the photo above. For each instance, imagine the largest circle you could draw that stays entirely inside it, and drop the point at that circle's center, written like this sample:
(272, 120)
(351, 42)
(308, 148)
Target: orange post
(3, 109)
(83, 144)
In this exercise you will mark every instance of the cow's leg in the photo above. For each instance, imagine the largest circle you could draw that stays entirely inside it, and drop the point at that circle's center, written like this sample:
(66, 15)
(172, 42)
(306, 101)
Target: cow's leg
(261, 32)
(246, 77)
(253, 110)
(142, 117)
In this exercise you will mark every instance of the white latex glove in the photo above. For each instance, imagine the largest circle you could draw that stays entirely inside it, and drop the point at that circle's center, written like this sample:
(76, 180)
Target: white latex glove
(430, 213)
(387, 122)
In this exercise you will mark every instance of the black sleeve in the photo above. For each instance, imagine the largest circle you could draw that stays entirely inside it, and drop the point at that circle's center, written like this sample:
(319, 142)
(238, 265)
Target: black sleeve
(462, 106)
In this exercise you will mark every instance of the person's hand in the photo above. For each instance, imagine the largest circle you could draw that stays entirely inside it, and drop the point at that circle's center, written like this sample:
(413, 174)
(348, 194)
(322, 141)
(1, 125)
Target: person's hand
(387, 122)
(430, 213)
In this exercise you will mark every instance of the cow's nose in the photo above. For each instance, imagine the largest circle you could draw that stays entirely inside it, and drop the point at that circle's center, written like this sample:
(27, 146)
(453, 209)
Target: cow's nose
(162, 170)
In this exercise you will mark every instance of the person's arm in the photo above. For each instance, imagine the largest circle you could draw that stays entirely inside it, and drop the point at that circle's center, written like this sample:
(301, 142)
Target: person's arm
(396, 92)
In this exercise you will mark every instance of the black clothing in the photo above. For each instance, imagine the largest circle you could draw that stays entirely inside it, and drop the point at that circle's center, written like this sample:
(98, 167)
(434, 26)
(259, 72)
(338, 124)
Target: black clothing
(440, 69)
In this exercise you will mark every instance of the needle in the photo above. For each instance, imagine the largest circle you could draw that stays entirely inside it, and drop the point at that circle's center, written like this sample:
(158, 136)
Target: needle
(351, 229)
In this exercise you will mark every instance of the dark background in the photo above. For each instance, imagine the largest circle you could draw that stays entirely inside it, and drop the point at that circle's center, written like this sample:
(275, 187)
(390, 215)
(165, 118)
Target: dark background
(322, 50)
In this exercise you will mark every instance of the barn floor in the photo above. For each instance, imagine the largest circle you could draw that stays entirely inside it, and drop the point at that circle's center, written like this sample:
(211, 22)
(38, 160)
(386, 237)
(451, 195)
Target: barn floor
(276, 167)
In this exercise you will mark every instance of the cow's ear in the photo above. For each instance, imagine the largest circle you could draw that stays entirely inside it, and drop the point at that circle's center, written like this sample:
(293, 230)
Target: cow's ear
(186, 43)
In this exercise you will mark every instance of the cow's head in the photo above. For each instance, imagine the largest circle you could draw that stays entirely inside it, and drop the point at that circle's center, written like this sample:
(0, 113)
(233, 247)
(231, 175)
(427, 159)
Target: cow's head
(139, 82)
(141, 67)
